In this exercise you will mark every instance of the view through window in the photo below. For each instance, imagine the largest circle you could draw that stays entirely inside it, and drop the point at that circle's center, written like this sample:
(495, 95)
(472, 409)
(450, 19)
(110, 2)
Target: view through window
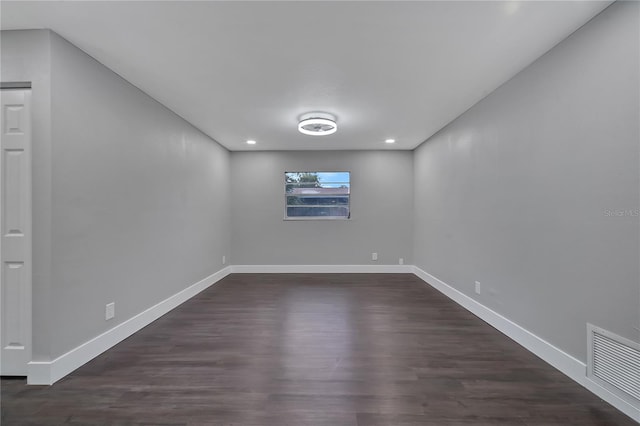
(317, 195)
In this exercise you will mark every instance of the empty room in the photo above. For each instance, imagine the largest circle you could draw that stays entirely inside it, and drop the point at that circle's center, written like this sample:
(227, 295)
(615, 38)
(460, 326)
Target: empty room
(320, 213)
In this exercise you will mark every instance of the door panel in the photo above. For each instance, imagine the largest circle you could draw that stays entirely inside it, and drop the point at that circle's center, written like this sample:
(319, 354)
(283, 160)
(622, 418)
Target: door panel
(14, 283)
(15, 225)
(15, 197)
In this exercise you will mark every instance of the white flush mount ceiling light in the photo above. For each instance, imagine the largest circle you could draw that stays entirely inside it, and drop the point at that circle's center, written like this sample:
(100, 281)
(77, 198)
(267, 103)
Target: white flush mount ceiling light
(390, 141)
(317, 124)
(251, 142)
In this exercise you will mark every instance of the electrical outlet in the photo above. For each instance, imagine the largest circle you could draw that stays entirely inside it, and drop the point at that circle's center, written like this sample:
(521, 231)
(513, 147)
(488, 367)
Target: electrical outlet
(401, 261)
(110, 311)
(477, 287)
(224, 259)
(374, 256)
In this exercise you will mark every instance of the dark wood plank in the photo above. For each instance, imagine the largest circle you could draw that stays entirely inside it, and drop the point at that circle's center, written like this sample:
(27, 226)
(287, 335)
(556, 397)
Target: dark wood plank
(313, 349)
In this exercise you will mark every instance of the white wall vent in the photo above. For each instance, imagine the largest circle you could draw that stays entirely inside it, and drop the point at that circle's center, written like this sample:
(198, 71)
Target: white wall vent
(614, 363)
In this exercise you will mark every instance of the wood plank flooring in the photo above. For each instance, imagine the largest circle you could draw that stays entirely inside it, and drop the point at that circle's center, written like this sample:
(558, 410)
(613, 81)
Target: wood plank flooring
(316, 350)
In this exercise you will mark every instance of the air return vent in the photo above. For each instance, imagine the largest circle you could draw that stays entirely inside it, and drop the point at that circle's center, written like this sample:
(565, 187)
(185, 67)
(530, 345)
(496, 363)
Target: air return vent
(614, 363)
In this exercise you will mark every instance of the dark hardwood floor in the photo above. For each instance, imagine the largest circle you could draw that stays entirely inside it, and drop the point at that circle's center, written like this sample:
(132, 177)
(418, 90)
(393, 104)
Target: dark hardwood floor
(316, 349)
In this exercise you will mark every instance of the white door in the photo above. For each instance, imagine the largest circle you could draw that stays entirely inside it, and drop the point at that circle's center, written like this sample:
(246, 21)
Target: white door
(15, 242)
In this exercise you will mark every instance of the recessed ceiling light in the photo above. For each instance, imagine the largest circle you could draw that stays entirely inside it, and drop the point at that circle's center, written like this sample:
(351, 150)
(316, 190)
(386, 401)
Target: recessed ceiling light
(317, 124)
(251, 142)
(390, 141)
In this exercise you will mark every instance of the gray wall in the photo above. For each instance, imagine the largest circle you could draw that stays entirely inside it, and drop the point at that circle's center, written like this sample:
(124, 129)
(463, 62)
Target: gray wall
(518, 193)
(139, 199)
(381, 209)
(527, 192)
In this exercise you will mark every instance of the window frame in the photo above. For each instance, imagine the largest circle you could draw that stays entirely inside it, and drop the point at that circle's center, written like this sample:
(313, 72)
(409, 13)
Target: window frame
(303, 218)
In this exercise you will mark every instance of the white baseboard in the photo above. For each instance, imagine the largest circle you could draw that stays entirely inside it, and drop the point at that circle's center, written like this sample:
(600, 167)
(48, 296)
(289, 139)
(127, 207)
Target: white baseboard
(321, 269)
(47, 373)
(565, 363)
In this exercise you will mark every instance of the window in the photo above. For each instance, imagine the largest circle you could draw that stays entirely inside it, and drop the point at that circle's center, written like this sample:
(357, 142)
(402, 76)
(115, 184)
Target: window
(317, 195)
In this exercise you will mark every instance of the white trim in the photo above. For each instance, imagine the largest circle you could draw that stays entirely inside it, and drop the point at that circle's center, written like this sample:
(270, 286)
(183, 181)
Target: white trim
(321, 269)
(557, 358)
(49, 372)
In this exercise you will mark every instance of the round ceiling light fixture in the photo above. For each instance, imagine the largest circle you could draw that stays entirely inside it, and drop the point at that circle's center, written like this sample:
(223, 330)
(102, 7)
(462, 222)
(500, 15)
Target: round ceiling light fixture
(317, 124)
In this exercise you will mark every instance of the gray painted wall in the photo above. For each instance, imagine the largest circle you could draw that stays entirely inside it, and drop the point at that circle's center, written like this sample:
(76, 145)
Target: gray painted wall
(381, 209)
(139, 199)
(518, 192)
(522, 192)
